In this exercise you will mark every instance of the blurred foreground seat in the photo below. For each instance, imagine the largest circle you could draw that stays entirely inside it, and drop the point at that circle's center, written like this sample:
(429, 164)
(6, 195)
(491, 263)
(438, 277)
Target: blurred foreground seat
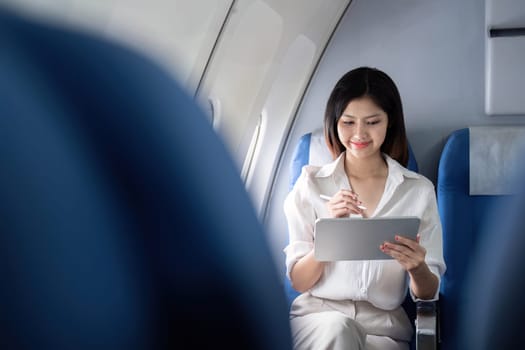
(123, 224)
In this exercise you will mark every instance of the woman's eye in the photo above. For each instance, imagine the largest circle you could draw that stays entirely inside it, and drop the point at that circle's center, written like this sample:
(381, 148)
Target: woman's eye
(348, 123)
(373, 122)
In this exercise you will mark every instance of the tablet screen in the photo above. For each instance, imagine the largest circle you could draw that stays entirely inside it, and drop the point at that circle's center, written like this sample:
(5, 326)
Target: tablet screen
(360, 238)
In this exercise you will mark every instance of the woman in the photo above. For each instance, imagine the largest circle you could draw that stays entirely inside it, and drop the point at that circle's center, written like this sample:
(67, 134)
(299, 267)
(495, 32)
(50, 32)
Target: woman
(357, 304)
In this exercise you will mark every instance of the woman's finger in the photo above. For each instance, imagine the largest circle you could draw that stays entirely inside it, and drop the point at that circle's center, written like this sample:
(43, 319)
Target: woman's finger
(414, 245)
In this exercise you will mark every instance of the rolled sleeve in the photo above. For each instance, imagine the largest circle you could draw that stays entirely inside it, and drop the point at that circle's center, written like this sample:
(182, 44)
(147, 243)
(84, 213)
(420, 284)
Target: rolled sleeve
(432, 236)
(300, 216)
(294, 252)
(431, 239)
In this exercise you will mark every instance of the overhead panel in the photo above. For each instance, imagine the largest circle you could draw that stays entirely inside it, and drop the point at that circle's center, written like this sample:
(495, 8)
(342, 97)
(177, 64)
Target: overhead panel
(504, 57)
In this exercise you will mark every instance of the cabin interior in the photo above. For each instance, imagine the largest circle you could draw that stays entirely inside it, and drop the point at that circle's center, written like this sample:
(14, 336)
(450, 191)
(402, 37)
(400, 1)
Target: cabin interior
(262, 70)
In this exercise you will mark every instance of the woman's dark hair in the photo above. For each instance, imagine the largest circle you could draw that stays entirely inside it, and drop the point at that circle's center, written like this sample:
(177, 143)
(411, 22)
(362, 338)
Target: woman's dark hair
(373, 83)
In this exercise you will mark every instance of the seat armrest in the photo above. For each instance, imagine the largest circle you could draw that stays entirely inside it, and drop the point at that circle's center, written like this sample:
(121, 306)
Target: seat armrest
(426, 325)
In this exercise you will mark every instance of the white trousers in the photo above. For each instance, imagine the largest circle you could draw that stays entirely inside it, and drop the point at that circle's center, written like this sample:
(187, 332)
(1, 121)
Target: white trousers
(319, 324)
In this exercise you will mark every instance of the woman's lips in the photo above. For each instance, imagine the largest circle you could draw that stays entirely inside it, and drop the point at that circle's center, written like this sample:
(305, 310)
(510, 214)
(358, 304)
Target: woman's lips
(360, 145)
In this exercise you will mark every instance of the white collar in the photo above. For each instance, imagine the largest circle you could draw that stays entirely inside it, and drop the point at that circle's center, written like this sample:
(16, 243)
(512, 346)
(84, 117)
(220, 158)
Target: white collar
(395, 170)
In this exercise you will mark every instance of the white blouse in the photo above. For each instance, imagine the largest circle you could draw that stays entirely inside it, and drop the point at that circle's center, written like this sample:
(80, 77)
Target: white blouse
(383, 283)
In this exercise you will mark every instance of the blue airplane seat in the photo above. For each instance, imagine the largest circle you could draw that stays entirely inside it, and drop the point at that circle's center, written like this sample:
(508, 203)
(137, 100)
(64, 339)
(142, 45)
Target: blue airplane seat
(492, 315)
(464, 213)
(114, 232)
(312, 149)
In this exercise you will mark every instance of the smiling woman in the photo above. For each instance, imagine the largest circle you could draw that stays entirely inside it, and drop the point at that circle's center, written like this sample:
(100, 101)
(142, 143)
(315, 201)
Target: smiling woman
(262, 72)
(346, 304)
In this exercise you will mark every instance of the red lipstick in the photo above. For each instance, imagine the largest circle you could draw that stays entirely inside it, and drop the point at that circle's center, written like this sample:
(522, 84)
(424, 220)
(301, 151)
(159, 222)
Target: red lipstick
(360, 145)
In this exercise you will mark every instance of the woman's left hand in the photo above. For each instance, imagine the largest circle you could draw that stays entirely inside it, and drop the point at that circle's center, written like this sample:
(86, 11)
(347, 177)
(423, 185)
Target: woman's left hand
(409, 253)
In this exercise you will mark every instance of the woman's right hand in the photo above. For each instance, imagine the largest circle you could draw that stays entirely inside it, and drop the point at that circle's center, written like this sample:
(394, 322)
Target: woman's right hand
(344, 203)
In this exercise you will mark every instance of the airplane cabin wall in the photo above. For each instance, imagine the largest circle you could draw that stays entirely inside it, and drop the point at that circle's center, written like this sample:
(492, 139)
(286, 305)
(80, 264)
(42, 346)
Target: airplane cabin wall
(433, 50)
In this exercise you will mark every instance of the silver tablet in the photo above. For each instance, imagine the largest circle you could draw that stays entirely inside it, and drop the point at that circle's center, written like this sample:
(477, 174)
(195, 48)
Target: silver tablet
(359, 238)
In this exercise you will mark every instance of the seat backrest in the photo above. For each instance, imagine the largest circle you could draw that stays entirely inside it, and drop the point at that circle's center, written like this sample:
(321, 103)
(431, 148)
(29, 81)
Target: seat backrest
(312, 149)
(492, 314)
(467, 195)
(114, 233)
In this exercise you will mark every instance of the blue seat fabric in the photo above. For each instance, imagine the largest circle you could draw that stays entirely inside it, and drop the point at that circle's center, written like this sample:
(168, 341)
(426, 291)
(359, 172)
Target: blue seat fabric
(463, 218)
(492, 313)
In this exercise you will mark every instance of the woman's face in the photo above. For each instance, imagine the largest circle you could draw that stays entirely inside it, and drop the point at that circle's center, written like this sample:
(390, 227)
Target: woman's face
(362, 128)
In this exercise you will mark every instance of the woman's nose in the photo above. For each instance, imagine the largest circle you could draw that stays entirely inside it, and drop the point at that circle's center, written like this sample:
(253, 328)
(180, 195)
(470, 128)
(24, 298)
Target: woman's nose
(360, 129)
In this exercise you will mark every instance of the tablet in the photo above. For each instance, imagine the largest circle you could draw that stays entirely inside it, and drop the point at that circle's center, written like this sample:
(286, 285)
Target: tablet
(359, 238)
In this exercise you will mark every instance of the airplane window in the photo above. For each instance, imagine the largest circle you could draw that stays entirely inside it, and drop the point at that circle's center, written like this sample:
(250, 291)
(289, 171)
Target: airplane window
(240, 68)
(282, 100)
(260, 67)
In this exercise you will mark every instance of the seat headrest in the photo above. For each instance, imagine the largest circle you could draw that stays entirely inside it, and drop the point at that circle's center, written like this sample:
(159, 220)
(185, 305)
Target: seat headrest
(319, 152)
(494, 153)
